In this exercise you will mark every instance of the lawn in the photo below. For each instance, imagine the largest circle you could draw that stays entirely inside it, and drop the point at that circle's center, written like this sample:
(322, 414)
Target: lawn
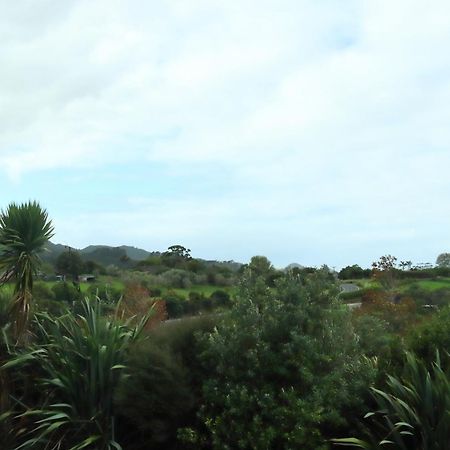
(433, 285)
(429, 284)
(206, 290)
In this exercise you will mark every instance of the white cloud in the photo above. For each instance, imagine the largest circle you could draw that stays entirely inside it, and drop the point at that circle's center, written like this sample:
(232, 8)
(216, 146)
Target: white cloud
(309, 105)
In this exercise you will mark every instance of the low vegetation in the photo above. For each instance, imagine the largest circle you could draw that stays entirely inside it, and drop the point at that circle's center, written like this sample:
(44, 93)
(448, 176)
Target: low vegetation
(171, 352)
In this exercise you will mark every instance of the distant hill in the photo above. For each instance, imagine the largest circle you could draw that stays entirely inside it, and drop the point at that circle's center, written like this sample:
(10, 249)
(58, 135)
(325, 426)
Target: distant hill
(137, 254)
(102, 254)
(114, 255)
(52, 251)
(124, 256)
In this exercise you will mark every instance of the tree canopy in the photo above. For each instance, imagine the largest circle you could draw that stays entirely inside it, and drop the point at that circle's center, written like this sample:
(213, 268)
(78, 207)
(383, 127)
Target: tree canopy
(443, 260)
(283, 366)
(24, 230)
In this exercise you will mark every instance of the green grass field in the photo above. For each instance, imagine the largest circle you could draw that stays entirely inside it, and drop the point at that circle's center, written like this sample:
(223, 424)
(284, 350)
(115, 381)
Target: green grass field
(206, 290)
(119, 285)
(429, 285)
(432, 285)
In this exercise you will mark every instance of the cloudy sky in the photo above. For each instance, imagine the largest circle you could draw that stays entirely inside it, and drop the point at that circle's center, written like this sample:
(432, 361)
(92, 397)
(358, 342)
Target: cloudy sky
(314, 131)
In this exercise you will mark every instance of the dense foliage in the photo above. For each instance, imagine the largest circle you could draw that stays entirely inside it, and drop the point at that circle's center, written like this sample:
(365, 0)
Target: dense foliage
(413, 411)
(74, 365)
(273, 361)
(24, 230)
(284, 366)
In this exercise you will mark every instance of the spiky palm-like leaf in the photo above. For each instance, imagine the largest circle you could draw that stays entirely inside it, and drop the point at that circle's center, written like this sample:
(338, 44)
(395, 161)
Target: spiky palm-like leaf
(80, 360)
(24, 230)
(413, 411)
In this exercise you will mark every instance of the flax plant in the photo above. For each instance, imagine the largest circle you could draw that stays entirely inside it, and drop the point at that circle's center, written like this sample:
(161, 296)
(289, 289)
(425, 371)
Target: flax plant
(413, 411)
(80, 360)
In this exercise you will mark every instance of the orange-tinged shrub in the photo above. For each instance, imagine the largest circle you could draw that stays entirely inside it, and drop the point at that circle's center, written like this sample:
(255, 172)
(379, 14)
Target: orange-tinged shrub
(399, 312)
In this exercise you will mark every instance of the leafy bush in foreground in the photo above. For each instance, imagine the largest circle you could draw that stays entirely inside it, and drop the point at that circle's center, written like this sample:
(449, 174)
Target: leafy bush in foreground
(285, 369)
(162, 387)
(76, 366)
(413, 411)
(153, 398)
(431, 335)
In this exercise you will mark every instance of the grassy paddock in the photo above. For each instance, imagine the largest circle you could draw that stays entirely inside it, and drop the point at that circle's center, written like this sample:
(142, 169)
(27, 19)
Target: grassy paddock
(206, 290)
(433, 285)
(430, 284)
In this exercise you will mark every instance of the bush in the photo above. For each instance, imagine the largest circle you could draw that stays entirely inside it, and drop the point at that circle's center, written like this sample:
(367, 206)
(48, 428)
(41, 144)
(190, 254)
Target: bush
(163, 390)
(433, 334)
(137, 303)
(105, 292)
(353, 295)
(373, 334)
(42, 291)
(175, 304)
(412, 411)
(67, 292)
(79, 360)
(424, 297)
(354, 272)
(153, 398)
(197, 302)
(284, 367)
(155, 292)
(176, 278)
(220, 298)
(398, 311)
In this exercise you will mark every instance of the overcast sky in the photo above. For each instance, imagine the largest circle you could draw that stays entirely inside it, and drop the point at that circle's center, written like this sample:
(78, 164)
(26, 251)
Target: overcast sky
(314, 131)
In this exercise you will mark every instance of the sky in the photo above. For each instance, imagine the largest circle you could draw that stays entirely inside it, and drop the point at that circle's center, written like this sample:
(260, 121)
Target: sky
(308, 131)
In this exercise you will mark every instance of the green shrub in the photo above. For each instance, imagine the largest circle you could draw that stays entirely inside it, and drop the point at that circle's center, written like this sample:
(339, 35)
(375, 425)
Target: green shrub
(197, 302)
(176, 278)
(425, 298)
(220, 298)
(433, 334)
(153, 399)
(353, 295)
(155, 292)
(163, 390)
(413, 411)
(66, 292)
(106, 293)
(373, 334)
(284, 367)
(175, 304)
(79, 360)
(354, 272)
(44, 299)
(42, 291)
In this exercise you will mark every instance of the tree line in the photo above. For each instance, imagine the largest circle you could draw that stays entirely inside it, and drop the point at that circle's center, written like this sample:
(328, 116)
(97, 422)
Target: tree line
(287, 366)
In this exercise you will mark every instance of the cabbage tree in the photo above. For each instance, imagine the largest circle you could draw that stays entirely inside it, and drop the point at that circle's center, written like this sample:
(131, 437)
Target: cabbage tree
(24, 230)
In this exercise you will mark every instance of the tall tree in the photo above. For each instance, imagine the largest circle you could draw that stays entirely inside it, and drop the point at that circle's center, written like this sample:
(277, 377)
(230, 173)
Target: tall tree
(70, 263)
(176, 256)
(385, 272)
(24, 230)
(443, 260)
(284, 369)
